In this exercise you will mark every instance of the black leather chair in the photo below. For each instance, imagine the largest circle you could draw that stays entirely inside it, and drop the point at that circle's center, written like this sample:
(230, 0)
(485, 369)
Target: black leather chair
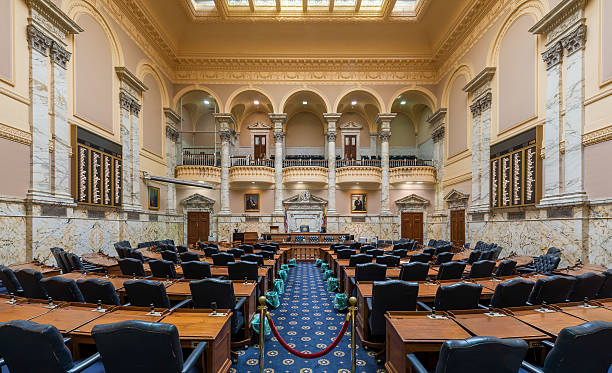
(458, 296)
(553, 289)
(420, 258)
(474, 256)
(587, 286)
(429, 251)
(222, 259)
(477, 355)
(355, 246)
(581, 348)
(391, 295)
(415, 271)
(243, 270)
(62, 288)
(346, 253)
(402, 253)
(153, 347)
(266, 254)
(451, 270)
(30, 347)
(189, 257)
(131, 267)
(30, 283)
(360, 259)
(482, 268)
(181, 249)
(170, 256)
(210, 251)
(444, 258)
(135, 254)
(431, 242)
(370, 272)
(56, 251)
(143, 293)
(196, 270)
(9, 281)
(207, 291)
(237, 253)
(505, 268)
(95, 289)
(388, 260)
(606, 288)
(66, 259)
(554, 252)
(256, 258)
(365, 248)
(162, 268)
(248, 249)
(77, 264)
(512, 293)
(375, 252)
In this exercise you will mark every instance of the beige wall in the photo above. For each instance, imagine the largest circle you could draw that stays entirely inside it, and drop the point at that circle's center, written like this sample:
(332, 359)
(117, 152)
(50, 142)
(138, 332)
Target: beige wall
(364, 134)
(15, 166)
(93, 75)
(152, 131)
(517, 74)
(303, 130)
(266, 200)
(457, 117)
(245, 133)
(6, 40)
(606, 40)
(343, 201)
(402, 131)
(597, 170)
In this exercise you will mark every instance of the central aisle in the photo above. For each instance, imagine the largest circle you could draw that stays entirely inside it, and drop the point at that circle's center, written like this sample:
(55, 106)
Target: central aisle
(306, 319)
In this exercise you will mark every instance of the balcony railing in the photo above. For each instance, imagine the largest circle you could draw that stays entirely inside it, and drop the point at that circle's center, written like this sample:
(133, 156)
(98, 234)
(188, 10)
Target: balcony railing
(195, 157)
(357, 162)
(247, 161)
(305, 162)
(409, 163)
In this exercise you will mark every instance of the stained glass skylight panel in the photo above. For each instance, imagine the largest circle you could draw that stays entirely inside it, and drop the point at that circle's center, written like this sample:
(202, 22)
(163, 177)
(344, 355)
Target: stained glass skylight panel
(291, 3)
(265, 2)
(404, 5)
(238, 2)
(315, 3)
(203, 3)
(371, 3)
(350, 3)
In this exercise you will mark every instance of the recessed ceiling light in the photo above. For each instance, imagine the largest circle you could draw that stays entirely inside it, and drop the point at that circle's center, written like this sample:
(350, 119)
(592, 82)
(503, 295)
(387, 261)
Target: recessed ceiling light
(403, 102)
(353, 103)
(252, 182)
(304, 102)
(206, 102)
(256, 102)
(300, 182)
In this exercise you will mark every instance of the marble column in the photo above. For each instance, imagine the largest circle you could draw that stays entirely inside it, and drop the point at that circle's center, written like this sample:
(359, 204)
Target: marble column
(331, 119)
(135, 139)
(574, 113)
(437, 122)
(476, 149)
(172, 136)
(552, 57)
(384, 132)
(485, 150)
(225, 122)
(125, 104)
(61, 154)
(279, 136)
(40, 183)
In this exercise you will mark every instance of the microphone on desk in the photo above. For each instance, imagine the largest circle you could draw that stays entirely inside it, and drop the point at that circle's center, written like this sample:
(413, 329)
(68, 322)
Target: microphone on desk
(51, 305)
(213, 305)
(433, 311)
(12, 300)
(134, 276)
(152, 308)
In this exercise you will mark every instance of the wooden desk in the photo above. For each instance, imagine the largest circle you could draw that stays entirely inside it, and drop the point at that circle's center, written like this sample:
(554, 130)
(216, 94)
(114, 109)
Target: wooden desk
(217, 271)
(409, 332)
(580, 270)
(596, 313)
(348, 272)
(549, 322)
(108, 263)
(47, 271)
(69, 316)
(116, 281)
(479, 323)
(24, 310)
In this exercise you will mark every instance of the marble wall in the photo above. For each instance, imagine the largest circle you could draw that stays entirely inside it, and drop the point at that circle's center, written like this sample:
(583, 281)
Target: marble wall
(245, 223)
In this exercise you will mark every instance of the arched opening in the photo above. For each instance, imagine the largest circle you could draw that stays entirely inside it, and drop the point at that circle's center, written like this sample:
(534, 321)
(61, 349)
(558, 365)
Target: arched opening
(305, 128)
(410, 132)
(198, 130)
(251, 110)
(357, 139)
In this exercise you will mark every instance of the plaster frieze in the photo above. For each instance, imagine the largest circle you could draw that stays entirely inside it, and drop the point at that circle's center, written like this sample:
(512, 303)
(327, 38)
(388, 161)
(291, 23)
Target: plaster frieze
(39, 40)
(130, 83)
(225, 120)
(259, 126)
(172, 117)
(412, 202)
(575, 40)
(562, 18)
(198, 202)
(481, 84)
(52, 20)
(456, 200)
(278, 118)
(60, 55)
(597, 136)
(437, 119)
(553, 55)
(15, 134)
(350, 125)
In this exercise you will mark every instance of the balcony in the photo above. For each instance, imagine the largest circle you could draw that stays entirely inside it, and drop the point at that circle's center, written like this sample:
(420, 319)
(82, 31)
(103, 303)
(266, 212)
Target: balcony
(241, 160)
(357, 163)
(412, 174)
(199, 157)
(251, 174)
(366, 176)
(393, 163)
(200, 173)
(305, 174)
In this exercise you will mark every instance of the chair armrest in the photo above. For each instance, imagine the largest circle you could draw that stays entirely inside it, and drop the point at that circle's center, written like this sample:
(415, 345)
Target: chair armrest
(240, 303)
(2, 363)
(85, 363)
(416, 364)
(548, 344)
(127, 304)
(423, 306)
(531, 368)
(67, 340)
(369, 304)
(181, 304)
(193, 357)
(482, 306)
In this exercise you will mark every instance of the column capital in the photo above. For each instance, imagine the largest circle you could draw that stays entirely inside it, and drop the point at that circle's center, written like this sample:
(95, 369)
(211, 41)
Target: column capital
(385, 117)
(130, 83)
(225, 119)
(332, 117)
(59, 55)
(125, 101)
(172, 116)
(278, 117)
(278, 136)
(576, 40)
(171, 133)
(475, 109)
(331, 136)
(553, 55)
(384, 135)
(438, 134)
(225, 134)
(485, 102)
(39, 40)
(135, 108)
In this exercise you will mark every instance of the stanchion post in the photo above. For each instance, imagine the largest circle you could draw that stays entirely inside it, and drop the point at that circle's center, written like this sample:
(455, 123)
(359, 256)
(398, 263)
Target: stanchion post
(262, 320)
(352, 310)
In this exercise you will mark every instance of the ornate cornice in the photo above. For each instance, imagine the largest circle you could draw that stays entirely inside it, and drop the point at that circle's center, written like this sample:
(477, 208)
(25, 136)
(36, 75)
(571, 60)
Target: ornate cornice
(127, 77)
(15, 134)
(437, 118)
(332, 117)
(50, 18)
(278, 118)
(597, 136)
(38, 40)
(172, 116)
(559, 20)
(480, 81)
(575, 40)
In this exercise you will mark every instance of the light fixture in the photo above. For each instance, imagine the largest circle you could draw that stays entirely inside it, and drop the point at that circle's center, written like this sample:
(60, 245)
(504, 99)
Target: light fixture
(353, 103)
(252, 182)
(206, 102)
(403, 102)
(304, 102)
(256, 102)
(300, 182)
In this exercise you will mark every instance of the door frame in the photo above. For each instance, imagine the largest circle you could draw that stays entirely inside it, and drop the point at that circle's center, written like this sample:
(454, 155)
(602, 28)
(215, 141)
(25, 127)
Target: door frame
(422, 214)
(259, 128)
(344, 146)
(413, 203)
(351, 128)
(199, 203)
(456, 200)
(265, 145)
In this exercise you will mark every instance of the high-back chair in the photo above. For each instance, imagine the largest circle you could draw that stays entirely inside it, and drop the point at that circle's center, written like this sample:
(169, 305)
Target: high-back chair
(482, 268)
(458, 296)
(170, 256)
(505, 268)
(248, 249)
(143, 293)
(402, 253)
(477, 355)
(256, 258)
(189, 257)
(346, 253)
(237, 253)
(131, 267)
(512, 293)
(388, 260)
(210, 251)
(474, 256)
(552, 289)
(95, 289)
(196, 270)
(415, 271)
(451, 270)
(56, 251)
(205, 292)
(587, 285)
(391, 295)
(421, 258)
(162, 268)
(222, 259)
(266, 254)
(30, 283)
(29, 347)
(62, 288)
(153, 347)
(375, 252)
(370, 272)
(243, 270)
(606, 288)
(9, 281)
(444, 257)
(360, 259)
(135, 254)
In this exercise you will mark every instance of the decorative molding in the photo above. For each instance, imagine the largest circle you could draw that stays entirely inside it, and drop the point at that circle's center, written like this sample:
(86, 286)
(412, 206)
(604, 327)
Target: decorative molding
(332, 117)
(225, 120)
(59, 55)
(307, 174)
(331, 136)
(198, 202)
(363, 174)
(208, 174)
(278, 118)
(438, 134)
(225, 135)
(385, 118)
(559, 20)
(172, 116)
(422, 174)
(260, 174)
(127, 77)
(412, 202)
(481, 80)
(553, 55)
(456, 200)
(575, 41)
(597, 136)
(279, 136)
(172, 133)
(15, 135)
(384, 136)
(50, 18)
(259, 126)
(475, 109)
(39, 40)
(125, 101)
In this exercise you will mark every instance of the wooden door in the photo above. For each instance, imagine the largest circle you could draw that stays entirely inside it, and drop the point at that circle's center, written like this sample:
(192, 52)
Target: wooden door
(457, 226)
(198, 224)
(412, 226)
(259, 147)
(350, 147)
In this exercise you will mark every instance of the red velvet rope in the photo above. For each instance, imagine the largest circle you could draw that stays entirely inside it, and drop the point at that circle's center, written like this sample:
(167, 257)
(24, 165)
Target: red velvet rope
(301, 354)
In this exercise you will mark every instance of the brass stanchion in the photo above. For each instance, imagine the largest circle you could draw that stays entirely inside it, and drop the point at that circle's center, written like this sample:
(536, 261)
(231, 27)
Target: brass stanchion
(262, 320)
(352, 310)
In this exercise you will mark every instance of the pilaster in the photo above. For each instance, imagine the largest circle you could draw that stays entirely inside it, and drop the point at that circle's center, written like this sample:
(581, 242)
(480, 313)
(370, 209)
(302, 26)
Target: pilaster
(225, 122)
(436, 121)
(332, 120)
(279, 136)
(384, 132)
(172, 136)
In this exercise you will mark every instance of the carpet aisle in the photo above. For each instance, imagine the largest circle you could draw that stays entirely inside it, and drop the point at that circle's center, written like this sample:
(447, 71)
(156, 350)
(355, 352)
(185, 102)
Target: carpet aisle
(306, 319)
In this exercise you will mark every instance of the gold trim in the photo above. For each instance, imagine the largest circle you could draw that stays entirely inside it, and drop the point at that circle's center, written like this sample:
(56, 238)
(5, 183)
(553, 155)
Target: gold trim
(15, 134)
(597, 136)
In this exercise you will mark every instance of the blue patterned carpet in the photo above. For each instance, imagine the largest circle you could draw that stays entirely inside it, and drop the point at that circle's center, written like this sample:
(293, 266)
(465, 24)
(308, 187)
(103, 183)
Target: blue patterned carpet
(307, 321)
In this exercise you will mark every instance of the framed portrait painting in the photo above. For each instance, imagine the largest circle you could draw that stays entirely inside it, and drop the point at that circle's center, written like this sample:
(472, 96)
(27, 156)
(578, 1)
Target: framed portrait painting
(153, 197)
(359, 202)
(251, 202)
